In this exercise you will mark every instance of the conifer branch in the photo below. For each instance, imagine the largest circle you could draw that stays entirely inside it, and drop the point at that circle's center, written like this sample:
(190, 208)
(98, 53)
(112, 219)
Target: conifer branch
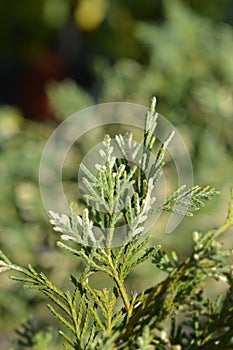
(90, 317)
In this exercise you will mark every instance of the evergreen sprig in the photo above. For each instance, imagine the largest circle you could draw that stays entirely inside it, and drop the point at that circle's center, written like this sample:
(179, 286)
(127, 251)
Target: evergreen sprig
(114, 318)
(184, 201)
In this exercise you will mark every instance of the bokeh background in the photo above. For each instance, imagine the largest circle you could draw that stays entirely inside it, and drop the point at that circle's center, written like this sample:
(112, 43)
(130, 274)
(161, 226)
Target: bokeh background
(59, 56)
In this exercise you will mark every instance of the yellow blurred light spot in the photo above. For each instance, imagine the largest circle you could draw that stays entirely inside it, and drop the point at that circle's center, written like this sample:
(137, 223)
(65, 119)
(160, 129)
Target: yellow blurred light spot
(25, 194)
(10, 122)
(90, 13)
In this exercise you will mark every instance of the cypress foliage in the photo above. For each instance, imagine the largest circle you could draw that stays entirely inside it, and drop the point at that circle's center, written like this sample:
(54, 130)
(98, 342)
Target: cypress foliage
(91, 318)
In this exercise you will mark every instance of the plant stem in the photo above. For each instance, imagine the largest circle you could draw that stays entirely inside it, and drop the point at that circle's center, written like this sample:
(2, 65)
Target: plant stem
(119, 284)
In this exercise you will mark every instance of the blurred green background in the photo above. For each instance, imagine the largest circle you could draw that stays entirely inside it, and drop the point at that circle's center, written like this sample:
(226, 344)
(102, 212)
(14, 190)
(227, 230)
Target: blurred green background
(59, 56)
